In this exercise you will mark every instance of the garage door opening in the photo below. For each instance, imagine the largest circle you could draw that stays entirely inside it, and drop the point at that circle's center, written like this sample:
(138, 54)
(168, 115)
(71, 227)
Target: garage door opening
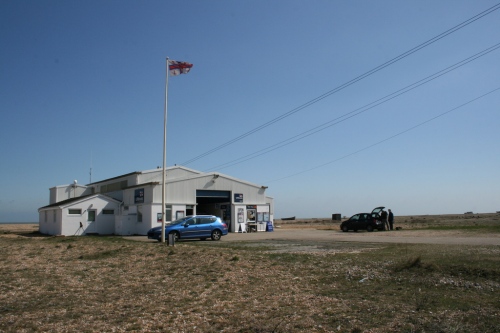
(216, 203)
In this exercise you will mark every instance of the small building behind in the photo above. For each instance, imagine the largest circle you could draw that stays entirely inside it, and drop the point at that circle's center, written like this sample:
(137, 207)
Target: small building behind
(130, 204)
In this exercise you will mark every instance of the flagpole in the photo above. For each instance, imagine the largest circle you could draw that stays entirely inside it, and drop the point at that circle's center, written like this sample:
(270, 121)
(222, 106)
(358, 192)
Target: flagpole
(164, 156)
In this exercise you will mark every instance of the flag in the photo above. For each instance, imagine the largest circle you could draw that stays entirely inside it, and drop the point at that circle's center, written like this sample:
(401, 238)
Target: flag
(178, 67)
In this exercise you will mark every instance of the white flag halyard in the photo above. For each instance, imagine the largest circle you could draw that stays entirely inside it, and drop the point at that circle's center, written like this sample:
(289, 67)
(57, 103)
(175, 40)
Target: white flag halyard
(179, 67)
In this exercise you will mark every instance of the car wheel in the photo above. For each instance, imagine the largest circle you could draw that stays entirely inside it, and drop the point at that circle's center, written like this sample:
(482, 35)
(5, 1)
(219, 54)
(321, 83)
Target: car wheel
(345, 229)
(216, 235)
(369, 228)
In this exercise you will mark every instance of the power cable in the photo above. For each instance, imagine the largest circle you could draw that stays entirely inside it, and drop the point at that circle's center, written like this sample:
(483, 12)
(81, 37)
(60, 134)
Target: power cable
(386, 139)
(349, 83)
(357, 111)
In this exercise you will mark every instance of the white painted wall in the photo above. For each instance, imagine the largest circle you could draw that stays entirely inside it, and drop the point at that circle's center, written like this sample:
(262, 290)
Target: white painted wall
(49, 222)
(184, 190)
(60, 222)
(125, 224)
(64, 192)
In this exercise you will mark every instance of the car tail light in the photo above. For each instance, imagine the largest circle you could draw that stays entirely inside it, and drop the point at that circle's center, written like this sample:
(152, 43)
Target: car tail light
(224, 225)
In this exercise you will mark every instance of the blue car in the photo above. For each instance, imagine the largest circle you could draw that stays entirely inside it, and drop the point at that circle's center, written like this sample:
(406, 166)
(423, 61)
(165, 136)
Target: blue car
(196, 226)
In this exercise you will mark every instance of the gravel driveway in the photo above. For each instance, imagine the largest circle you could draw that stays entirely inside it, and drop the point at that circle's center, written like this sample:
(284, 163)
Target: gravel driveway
(397, 236)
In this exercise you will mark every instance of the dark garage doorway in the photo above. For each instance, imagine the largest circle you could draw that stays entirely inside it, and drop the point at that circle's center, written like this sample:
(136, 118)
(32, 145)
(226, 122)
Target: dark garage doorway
(207, 200)
(216, 203)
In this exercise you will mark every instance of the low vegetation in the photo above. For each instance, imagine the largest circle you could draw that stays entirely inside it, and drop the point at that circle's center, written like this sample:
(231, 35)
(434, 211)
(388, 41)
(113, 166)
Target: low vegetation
(109, 284)
(479, 223)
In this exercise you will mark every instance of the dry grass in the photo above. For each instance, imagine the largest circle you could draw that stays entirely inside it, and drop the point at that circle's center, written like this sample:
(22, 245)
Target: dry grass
(108, 284)
(473, 222)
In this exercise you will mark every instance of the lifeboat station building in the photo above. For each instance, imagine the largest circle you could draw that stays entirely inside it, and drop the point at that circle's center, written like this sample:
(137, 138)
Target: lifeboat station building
(131, 204)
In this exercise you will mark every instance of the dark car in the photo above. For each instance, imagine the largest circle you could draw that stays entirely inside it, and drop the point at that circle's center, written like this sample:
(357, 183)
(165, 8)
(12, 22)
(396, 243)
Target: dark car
(195, 226)
(364, 221)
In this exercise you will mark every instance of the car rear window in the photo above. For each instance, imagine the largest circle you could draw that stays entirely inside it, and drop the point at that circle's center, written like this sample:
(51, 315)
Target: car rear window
(207, 220)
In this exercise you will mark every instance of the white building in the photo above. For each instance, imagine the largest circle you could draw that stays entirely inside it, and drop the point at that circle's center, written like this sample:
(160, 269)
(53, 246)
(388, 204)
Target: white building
(131, 204)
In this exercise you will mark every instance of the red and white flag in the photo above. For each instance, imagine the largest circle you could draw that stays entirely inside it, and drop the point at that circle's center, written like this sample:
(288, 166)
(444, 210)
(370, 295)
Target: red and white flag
(178, 67)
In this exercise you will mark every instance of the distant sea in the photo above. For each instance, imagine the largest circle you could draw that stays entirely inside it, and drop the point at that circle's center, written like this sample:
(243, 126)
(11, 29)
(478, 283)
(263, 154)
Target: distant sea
(18, 222)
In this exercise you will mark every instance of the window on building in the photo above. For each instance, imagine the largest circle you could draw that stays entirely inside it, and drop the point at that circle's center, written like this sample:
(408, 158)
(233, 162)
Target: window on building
(108, 211)
(91, 216)
(74, 211)
(139, 213)
(168, 212)
(54, 215)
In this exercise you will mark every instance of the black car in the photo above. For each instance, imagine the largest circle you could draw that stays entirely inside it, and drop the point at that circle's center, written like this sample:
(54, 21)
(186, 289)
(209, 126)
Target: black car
(364, 221)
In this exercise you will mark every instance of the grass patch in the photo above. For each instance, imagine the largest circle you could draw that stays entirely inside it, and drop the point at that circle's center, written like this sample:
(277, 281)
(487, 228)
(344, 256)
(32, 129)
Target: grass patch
(100, 255)
(265, 286)
(416, 264)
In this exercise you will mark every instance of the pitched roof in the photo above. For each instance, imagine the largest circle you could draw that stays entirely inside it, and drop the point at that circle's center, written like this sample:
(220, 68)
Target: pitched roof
(76, 199)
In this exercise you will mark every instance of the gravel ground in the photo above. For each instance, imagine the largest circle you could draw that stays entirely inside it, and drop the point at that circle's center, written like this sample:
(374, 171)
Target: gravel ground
(410, 236)
(414, 231)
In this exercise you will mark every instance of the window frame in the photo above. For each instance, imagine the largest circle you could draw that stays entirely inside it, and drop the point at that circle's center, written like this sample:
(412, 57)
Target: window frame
(91, 212)
(79, 211)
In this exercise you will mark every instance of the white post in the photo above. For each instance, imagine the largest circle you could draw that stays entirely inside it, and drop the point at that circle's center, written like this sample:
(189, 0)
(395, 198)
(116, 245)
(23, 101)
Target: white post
(164, 157)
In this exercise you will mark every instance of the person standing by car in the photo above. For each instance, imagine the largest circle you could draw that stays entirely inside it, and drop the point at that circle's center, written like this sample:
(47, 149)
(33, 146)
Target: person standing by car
(391, 220)
(383, 217)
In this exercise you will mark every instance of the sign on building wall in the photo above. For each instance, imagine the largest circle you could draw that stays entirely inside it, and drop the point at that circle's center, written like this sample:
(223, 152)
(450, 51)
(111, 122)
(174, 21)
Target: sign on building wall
(251, 214)
(139, 195)
(238, 197)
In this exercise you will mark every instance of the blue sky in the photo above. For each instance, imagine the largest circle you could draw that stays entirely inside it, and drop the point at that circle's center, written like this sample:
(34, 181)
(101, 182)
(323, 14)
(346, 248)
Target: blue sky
(82, 85)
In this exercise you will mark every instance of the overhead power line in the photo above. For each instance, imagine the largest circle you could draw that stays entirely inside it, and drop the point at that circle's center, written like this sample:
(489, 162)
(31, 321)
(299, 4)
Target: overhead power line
(387, 139)
(349, 83)
(357, 111)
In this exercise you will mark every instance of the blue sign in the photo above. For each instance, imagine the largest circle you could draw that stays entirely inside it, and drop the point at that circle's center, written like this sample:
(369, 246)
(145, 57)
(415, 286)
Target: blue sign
(139, 196)
(269, 226)
(238, 197)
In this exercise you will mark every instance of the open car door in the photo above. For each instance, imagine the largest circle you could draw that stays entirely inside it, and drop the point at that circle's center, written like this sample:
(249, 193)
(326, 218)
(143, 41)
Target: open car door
(376, 212)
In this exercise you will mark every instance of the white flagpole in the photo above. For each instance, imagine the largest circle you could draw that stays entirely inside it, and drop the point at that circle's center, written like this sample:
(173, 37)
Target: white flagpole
(164, 157)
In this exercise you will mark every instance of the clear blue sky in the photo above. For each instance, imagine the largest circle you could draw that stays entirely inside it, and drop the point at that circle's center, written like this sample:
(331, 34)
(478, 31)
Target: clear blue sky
(82, 84)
